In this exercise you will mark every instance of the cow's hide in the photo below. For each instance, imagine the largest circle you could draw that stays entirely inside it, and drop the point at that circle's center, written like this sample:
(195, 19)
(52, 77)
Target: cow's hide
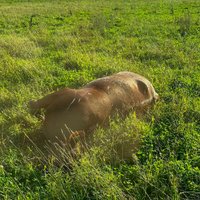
(70, 112)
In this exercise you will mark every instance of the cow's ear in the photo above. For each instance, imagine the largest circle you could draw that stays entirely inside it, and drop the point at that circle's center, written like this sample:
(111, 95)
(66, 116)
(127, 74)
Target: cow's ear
(143, 88)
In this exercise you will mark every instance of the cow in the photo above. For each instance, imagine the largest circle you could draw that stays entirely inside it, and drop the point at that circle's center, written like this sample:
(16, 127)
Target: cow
(70, 112)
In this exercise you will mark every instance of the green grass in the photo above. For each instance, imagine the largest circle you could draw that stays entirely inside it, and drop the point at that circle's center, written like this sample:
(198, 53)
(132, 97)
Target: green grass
(47, 45)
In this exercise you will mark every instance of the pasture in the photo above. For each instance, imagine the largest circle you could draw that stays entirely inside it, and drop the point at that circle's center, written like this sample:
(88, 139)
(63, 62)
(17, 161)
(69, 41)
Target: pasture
(49, 45)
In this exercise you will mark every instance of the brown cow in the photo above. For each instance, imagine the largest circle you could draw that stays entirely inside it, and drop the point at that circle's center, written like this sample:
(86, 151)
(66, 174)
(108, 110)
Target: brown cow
(76, 111)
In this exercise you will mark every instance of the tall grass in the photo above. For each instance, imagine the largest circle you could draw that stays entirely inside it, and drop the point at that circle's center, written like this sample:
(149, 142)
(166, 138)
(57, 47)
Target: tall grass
(47, 45)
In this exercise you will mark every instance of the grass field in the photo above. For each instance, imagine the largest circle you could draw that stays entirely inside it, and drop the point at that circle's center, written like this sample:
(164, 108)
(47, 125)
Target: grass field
(47, 45)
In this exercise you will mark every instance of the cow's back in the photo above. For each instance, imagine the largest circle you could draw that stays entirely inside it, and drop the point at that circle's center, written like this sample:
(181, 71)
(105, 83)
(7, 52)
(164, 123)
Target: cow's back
(126, 89)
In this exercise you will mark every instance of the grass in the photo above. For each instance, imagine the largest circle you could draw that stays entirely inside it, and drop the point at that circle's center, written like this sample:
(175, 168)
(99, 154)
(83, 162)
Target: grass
(47, 45)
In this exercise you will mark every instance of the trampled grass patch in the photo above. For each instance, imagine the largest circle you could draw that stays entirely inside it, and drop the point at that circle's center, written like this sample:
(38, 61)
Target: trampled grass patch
(48, 45)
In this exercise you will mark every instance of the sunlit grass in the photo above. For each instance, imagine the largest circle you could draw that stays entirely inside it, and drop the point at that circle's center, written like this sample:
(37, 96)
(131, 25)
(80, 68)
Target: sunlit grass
(47, 45)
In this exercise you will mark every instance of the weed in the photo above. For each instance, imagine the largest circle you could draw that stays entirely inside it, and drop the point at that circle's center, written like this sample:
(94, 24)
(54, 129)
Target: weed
(184, 23)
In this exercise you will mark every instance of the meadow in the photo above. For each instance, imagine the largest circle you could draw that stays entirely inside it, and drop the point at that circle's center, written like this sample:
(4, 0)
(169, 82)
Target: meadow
(48, 45)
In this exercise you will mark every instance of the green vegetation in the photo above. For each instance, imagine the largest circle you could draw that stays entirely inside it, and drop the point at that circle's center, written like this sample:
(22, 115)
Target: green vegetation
(46, 45)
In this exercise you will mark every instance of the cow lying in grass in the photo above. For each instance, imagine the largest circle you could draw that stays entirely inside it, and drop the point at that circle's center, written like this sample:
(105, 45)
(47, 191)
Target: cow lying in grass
(71, 112)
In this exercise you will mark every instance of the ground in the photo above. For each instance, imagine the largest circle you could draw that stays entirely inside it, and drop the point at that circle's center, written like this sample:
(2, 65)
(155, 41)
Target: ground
(48, 45)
